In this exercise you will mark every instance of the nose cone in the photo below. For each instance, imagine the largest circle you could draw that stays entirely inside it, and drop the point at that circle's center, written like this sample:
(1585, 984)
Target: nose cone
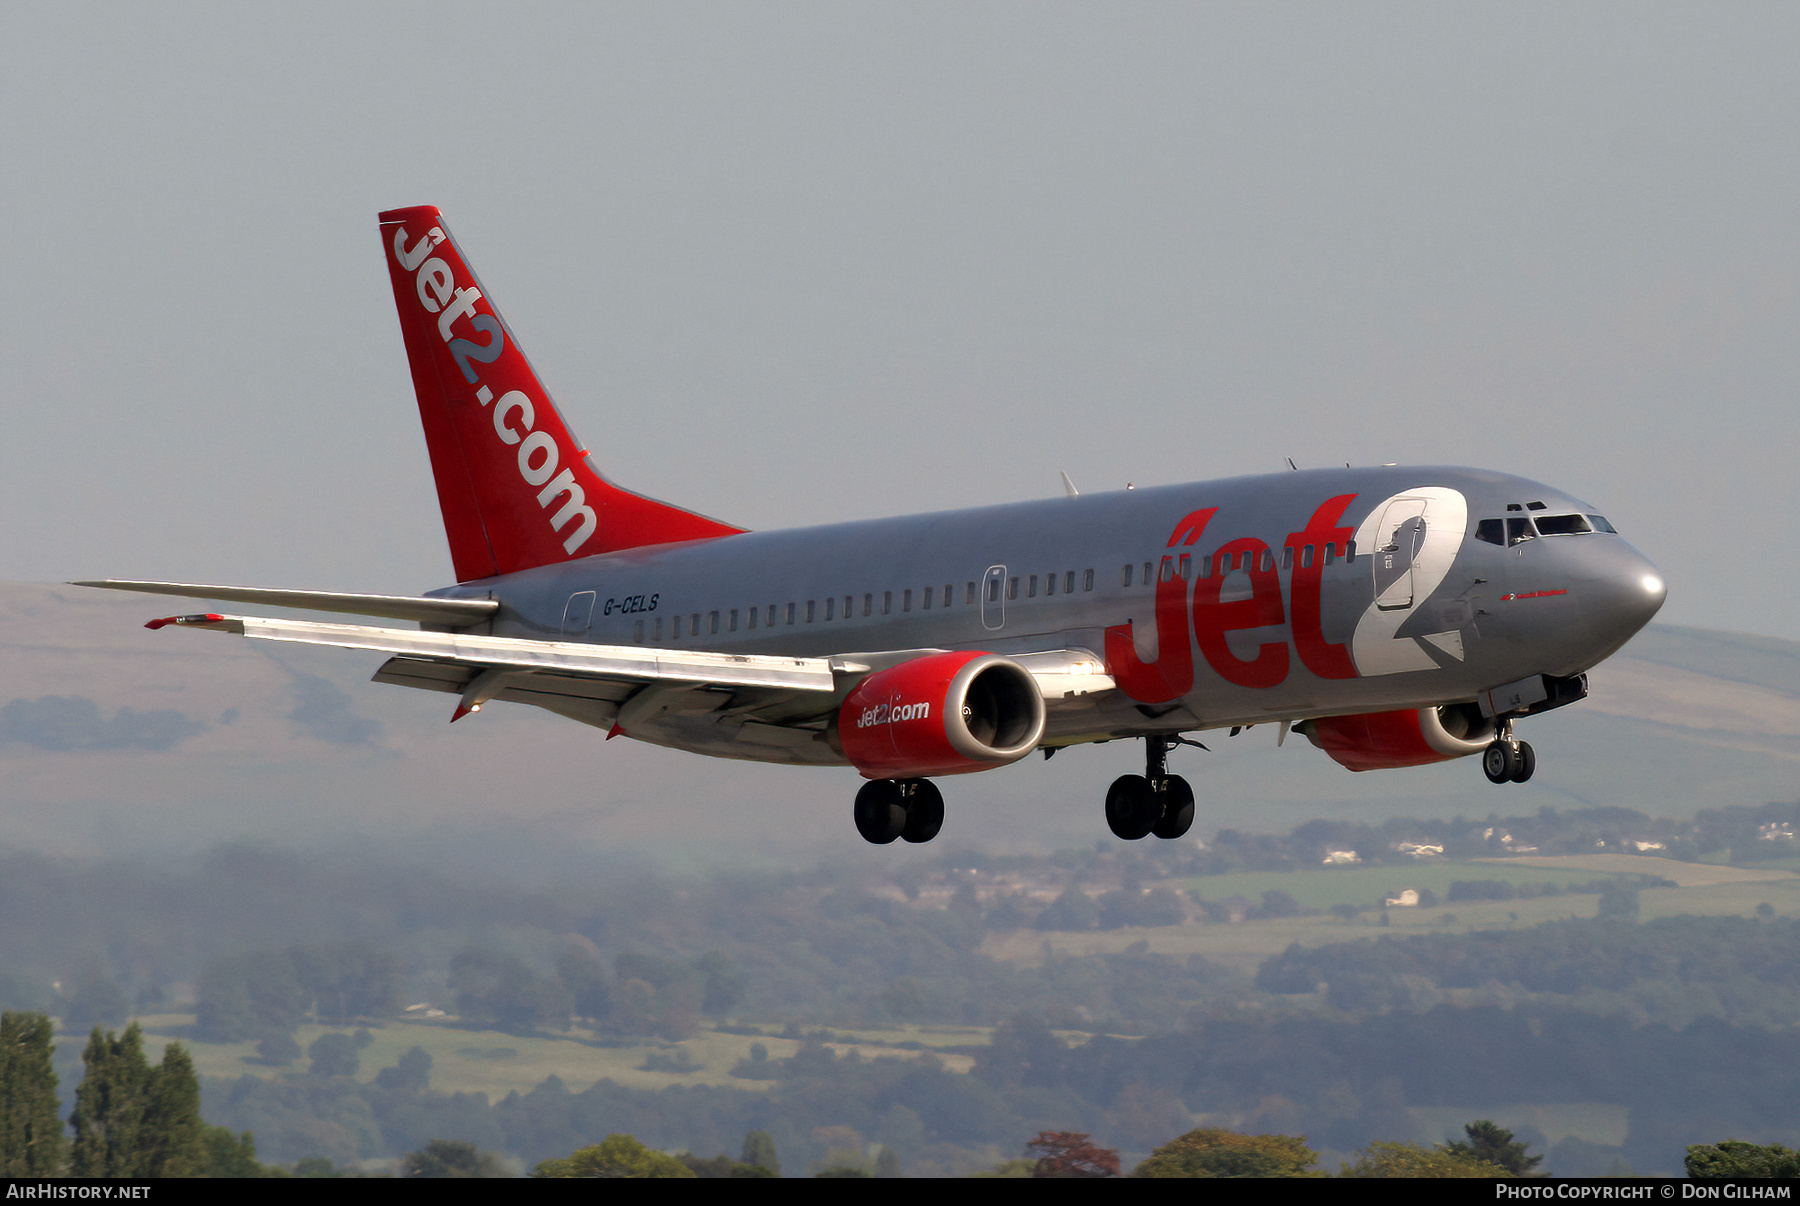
(1621, 591)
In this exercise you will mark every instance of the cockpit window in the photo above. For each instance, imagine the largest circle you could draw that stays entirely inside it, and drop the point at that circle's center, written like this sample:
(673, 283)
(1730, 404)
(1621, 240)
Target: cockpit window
(1562, 525)
(1519, 530)
(1600, 524)
(1491, 530)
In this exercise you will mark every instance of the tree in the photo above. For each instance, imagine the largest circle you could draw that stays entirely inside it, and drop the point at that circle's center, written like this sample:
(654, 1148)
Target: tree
(1211, 1152)
(132, 1120)
(615, 1156)
(451, 1158)
(1495, 1145)
(1411, 1160)
(333, 1055)
(1735, 1158)
(759, 1149)
(110, 1104)
(32, 1140)
(1069, 1154)
(174, 1138)
(411, 1073)
(233, 1156)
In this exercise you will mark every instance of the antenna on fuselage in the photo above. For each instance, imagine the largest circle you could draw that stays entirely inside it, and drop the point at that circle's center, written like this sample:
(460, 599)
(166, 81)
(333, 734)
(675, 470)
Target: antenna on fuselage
(1291, 465)
(1068, 485)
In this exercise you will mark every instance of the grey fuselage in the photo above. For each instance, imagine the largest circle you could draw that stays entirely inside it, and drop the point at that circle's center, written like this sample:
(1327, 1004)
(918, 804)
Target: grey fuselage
(1437, 601)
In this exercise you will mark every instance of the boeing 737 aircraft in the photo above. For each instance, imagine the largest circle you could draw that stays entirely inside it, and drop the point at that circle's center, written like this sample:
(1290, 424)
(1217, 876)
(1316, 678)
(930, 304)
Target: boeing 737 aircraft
(1394, 616)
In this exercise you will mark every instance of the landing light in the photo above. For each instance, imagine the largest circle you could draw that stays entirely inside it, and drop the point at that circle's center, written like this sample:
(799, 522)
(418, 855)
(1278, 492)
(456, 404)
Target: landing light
(1653, 585)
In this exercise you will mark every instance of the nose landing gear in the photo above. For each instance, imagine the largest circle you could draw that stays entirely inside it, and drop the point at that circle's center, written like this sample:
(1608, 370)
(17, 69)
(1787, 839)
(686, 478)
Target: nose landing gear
(886, 809)
(1153, 802)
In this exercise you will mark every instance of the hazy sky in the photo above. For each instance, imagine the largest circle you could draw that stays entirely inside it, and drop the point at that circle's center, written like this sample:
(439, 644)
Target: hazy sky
(793, 263)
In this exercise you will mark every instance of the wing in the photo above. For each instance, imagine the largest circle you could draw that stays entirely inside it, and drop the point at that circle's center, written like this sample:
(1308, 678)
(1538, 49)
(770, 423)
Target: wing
(751, 706)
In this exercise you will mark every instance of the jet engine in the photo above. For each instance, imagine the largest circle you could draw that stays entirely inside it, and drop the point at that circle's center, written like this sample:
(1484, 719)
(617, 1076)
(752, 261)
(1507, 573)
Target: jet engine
(1413, 737)
(942, 714)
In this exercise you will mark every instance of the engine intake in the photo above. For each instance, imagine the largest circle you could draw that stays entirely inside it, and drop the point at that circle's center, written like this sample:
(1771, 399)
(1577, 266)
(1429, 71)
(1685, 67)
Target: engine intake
(1414, 737)
(942, 714)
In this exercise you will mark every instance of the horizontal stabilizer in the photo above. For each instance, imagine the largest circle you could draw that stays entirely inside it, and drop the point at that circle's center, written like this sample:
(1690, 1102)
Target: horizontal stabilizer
(456, 612)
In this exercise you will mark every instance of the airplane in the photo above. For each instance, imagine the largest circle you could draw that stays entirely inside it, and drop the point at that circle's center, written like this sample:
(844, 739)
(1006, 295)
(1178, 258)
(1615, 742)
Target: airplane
(1395, 616)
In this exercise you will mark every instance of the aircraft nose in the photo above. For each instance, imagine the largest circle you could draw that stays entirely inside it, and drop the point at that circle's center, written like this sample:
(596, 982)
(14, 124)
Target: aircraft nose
(1623, 592)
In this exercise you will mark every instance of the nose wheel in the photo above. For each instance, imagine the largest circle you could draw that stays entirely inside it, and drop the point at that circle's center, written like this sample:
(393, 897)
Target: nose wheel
(1155, 802)
(886, 809)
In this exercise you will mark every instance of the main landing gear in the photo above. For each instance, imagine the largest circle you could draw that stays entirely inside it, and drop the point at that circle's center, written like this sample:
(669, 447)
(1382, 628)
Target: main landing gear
(886, 809)
(1153, 802)
(1508, 760)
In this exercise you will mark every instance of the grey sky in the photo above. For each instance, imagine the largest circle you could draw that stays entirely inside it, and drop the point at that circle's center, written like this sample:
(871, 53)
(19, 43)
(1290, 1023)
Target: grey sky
(798, 263)
(791, 263)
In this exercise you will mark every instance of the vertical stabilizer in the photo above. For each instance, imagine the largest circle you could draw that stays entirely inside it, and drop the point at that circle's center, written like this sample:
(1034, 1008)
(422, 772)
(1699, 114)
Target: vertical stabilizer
(516, 489)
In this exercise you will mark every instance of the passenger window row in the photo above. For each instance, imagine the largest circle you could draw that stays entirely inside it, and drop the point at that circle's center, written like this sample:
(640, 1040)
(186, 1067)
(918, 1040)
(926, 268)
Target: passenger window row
(1183, 565)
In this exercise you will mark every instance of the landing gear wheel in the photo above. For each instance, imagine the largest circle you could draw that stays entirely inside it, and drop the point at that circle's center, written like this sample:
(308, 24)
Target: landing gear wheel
(924, 810)
(1499, 762)
(880, 812)
(1527, 763)
(1131, 807)
(1177, 808)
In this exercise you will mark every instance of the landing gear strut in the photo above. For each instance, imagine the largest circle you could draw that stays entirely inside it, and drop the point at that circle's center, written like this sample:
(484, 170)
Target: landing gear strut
(886, 809)
(1153, 802)
(1508, 760)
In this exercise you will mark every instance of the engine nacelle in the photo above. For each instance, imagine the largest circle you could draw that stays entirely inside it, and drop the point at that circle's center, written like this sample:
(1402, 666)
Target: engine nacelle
(1414, 737)
(942, 714)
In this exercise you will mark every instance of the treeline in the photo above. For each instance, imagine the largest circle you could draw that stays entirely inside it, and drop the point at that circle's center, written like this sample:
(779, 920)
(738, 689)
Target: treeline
(131, 1119)
(1345, 1083)
(1672, 970)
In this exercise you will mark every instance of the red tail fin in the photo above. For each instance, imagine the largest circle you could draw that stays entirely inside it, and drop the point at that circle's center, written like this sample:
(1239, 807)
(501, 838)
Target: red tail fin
(516, 489)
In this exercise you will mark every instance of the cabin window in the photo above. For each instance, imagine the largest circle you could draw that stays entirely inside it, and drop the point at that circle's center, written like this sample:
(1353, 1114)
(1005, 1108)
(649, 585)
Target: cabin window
(969, 593)
(732, 626)
(1049, 584)
(887, 602)
(849, 605)
(1350, 551)
(1330, 551)
(1012, 587)
(1147, 578)
(993, 593)
(1168, 570)
(1185, 568)
(637, 632)
(1306, 557)
(1125, 576)
(1287, 557)
(1268, 560)
(925, 602)
(790, 613)
(950, 596)
(675, 629)
(713, 622)
(694, 625)
(906, 600)
(1519, 530)
(1535, 506)
(1493, 531)
(1069, 583)
(868, 603)
(831, 607)
(752, 624)
(656, 630)
(1087, 580)
(1031, 587)
(809, 610)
